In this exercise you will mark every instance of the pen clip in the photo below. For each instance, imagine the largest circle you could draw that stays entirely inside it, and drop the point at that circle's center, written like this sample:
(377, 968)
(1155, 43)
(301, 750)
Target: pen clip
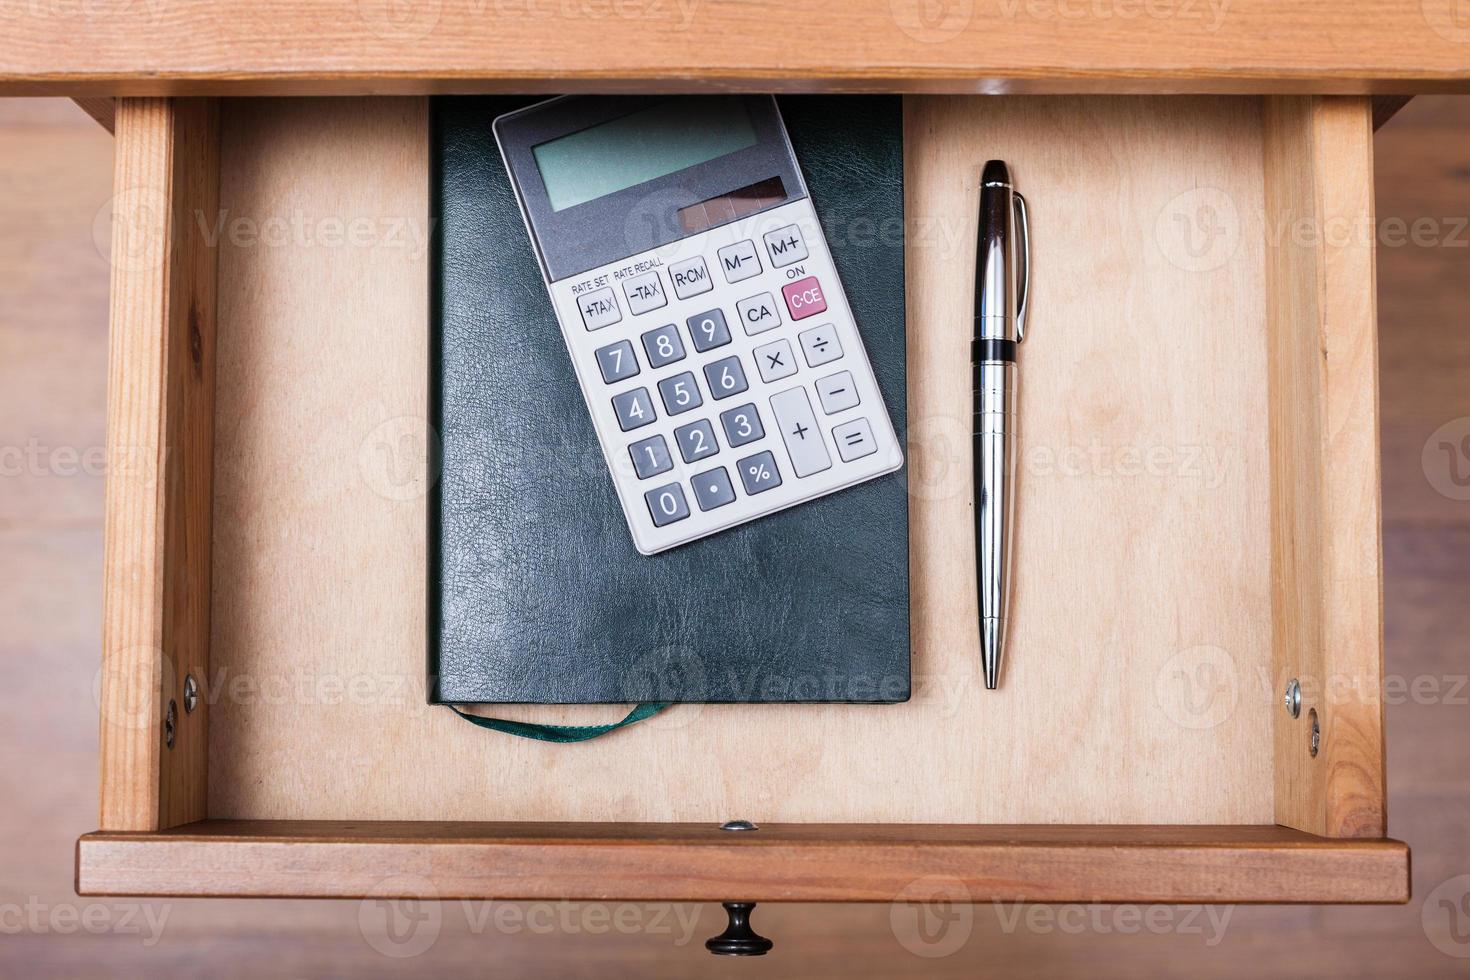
(1023, 280)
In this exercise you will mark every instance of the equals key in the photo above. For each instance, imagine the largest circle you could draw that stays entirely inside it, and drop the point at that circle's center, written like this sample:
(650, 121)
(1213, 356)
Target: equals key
(854, 440)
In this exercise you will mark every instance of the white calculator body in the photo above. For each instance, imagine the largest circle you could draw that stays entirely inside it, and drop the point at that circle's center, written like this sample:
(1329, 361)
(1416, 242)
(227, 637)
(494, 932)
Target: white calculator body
(709, 332)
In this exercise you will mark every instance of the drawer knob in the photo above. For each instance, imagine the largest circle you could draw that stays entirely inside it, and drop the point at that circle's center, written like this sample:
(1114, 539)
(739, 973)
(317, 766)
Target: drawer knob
(738, 939)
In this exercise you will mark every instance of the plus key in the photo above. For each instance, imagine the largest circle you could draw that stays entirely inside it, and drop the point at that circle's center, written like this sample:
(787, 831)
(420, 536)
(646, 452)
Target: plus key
(798, 427)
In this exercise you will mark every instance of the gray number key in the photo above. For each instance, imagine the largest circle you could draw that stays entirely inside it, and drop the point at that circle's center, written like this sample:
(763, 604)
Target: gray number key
(708, 330)
(633, 408)
(680, 393)
(696, 440)
(759, 472)
(667, 504)
(742, 425)
(726, 377)
(798, 427)
(617, 361)
(650, 457)
(712, 489)
(663, 346)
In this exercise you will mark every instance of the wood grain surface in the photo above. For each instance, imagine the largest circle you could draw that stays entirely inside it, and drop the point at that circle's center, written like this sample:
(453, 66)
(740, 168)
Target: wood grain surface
(1327, 606)
(160, 415)
(55, 177)
(786, 863)
(264, 47)
(318, 630)
(101, 108)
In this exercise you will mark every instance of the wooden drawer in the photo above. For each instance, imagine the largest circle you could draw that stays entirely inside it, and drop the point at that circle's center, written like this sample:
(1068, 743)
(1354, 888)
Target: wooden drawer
(1200, 527)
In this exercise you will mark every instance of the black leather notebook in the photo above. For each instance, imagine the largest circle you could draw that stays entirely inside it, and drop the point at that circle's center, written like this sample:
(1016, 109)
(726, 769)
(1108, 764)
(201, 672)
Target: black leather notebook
(536, 593)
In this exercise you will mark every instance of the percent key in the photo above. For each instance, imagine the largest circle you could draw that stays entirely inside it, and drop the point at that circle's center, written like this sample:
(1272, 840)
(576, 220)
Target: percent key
(759, 473)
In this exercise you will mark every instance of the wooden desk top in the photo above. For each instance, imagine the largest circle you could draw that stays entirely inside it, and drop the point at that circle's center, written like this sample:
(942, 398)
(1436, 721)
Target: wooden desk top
(343, 47)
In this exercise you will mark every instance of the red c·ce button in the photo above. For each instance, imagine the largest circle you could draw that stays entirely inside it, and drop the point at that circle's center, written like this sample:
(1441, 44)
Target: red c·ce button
(804, 297)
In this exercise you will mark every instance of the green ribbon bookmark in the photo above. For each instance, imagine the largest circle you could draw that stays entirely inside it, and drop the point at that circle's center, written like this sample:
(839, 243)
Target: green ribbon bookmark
(561, 733)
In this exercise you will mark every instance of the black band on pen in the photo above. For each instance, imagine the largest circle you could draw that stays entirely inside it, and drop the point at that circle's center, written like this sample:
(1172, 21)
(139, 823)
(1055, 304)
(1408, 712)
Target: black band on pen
(992, 350)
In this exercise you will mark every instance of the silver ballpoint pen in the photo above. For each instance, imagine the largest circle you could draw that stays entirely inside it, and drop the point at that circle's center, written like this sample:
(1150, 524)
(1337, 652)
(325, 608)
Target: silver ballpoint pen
(1002, 269)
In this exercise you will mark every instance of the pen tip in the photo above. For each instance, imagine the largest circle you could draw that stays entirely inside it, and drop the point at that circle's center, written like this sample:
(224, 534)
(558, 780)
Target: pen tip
(992, 642)
(995, 172)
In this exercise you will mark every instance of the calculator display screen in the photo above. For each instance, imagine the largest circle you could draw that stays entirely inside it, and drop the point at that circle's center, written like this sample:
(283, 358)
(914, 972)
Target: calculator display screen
(662, 139)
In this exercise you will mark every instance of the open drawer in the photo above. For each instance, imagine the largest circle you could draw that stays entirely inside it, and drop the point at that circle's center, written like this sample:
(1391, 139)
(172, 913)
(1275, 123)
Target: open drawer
(1199, 532)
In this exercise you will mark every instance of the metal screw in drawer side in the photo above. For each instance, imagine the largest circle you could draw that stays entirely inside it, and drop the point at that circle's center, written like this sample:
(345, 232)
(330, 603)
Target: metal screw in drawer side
(191, 694)
(738, 825)
(1294, 698)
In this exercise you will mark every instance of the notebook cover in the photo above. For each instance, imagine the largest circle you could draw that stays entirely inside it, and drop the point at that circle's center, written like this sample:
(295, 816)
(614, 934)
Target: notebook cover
(536, 594)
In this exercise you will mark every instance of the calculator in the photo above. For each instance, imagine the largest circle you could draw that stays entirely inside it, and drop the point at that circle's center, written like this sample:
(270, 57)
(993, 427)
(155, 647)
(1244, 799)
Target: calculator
(709, 332)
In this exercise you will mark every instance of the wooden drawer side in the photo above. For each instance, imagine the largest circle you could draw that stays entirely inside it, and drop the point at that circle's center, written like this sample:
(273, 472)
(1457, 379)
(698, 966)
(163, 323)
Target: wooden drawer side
(160, 436)
(1327, 605)
(699, 862)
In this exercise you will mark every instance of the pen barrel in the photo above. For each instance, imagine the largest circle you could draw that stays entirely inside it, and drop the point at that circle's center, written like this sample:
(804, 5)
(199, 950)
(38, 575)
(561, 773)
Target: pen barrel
(997, 331)
(993, 389)
(995, 468)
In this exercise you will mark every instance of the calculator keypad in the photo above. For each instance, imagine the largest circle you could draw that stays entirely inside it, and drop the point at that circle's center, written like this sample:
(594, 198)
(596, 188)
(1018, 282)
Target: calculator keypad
(837, 391)
(667, 504)
(634, 408)
(804, 298)
(617, 361)
(758, 314)
(820, 345)
(785, 246)
(739, 422)
(651, 457)
(690, 278)
(709, 330)
(799, 430)
(740, 261)
(663, 346)
(712, 489)
(645, 293)
(742, 425)
(680, 393)
(725, 377)
(600, 309)
(854, 440)
(696, 441)
(775, 360)
(759, 473)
